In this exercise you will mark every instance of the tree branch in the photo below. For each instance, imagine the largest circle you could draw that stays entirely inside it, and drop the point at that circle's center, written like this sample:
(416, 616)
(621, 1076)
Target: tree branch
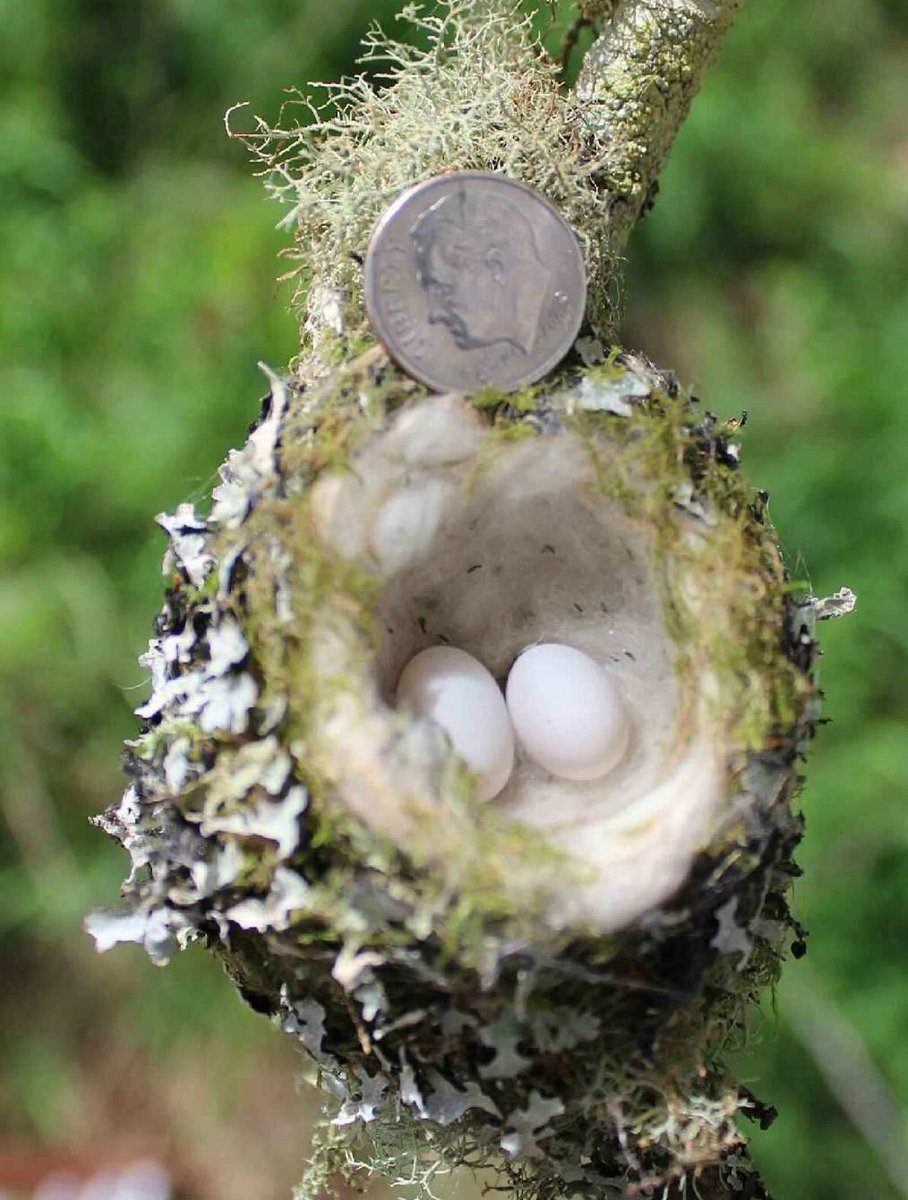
(637, 84)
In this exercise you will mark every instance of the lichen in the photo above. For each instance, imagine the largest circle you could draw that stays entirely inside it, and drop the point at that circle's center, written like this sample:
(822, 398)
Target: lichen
(482, 95)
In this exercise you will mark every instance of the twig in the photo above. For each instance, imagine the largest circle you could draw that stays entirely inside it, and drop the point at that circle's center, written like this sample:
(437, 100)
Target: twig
(637, 84)
(851, 1075)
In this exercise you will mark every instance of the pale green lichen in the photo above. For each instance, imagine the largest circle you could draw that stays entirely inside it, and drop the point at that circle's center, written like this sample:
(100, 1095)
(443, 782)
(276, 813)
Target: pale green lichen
(483, 95)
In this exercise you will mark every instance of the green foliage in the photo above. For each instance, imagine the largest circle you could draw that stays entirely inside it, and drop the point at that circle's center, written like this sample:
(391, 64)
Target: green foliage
(136, 295)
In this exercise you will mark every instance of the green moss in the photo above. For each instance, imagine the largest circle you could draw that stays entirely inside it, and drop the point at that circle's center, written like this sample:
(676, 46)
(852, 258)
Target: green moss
(158, 739)
(492, 400)
(198, 595)
(724, 593)
(488, 399)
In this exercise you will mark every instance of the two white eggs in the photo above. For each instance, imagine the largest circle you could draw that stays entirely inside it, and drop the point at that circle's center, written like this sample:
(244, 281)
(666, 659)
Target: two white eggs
(562, 706)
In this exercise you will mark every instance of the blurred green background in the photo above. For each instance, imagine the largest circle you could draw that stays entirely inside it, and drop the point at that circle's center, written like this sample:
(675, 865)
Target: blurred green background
(137, 294)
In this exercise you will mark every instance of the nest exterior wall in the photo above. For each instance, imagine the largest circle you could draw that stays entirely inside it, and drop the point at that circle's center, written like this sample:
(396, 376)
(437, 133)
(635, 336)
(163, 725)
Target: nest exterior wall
(441, 1005)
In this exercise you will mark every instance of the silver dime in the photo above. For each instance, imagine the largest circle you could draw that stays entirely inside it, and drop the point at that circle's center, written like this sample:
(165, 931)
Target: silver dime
(474, 280)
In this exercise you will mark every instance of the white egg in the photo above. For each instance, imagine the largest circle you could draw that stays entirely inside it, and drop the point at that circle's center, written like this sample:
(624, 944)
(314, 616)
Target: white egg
(457, 692)
(567, 712)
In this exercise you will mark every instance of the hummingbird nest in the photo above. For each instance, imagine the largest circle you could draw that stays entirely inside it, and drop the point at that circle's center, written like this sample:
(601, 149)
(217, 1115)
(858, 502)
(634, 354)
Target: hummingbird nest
(548, 981)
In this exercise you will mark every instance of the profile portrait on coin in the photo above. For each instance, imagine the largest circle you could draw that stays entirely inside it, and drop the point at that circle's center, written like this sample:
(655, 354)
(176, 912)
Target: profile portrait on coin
(479, 264)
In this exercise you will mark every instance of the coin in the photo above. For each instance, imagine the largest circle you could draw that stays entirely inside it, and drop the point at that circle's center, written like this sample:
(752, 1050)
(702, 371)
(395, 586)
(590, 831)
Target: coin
(474, 280)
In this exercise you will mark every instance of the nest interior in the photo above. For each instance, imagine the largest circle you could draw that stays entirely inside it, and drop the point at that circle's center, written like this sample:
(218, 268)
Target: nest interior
(491, 545)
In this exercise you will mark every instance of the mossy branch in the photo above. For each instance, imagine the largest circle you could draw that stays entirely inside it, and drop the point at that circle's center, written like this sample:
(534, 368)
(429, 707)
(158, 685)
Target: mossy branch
(636, 87)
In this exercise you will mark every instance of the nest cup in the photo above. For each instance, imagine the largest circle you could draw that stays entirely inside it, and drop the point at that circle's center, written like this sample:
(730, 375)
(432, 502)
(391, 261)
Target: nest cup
(492, 544)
